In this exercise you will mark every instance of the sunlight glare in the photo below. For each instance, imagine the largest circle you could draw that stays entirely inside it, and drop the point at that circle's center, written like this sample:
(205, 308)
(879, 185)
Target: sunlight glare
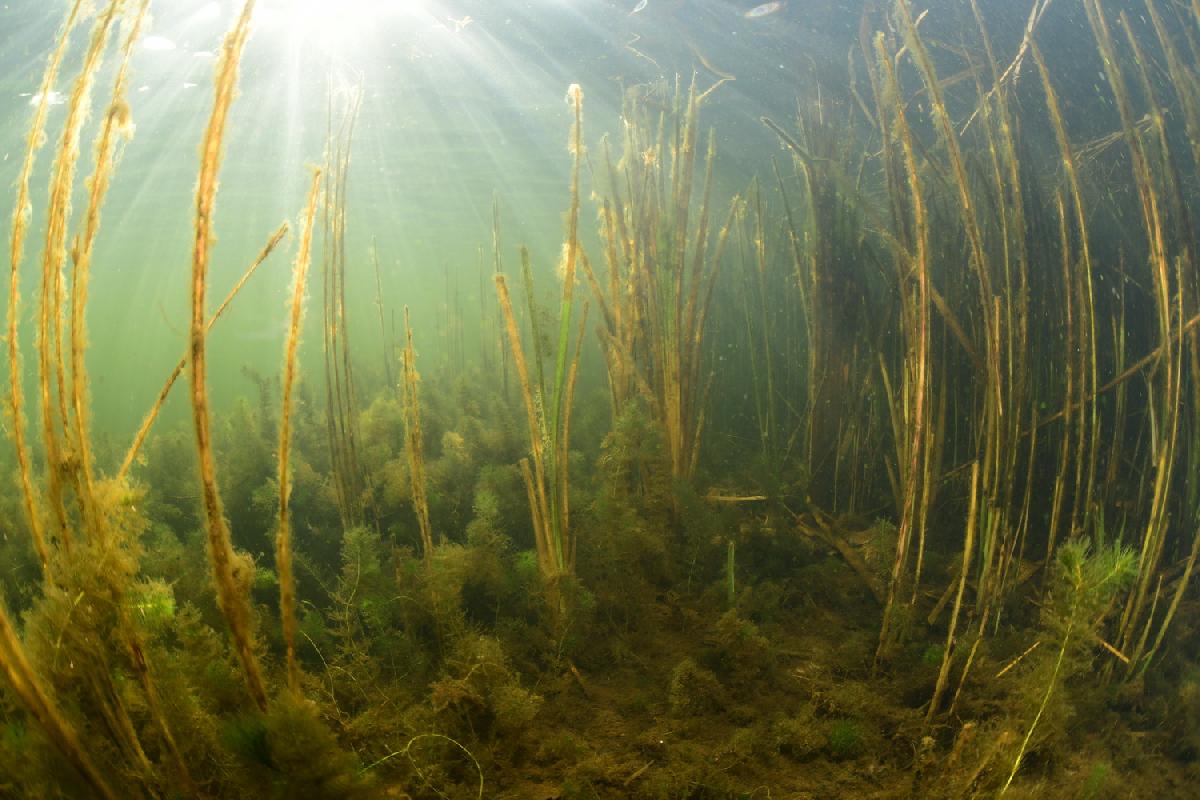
(331, 23)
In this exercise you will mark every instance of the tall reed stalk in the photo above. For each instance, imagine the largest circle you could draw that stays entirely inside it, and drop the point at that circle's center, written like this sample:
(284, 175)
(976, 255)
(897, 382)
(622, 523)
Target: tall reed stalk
(661, 272)
(22, 212)
(910, 412)
(414, 444)
(62, 458)
(548, 409)
(283, 536)
(232, 593)
(341, 395)
(148, 421)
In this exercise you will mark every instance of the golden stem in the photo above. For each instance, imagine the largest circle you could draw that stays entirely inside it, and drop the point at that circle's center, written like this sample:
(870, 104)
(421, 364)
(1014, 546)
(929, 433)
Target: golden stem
(231, 596)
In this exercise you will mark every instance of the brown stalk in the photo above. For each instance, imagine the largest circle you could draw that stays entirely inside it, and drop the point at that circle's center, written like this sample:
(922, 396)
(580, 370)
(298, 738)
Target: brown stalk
(283, 539)
(1015, 316)
(341, 404)
(140, 438)
(660, 274)
(1060, 474)
(1088, 389)
(58, 730)
(968, 546)
(1168, 394)
(911, 429)
(20, 224)
(231, 595)
(564, 462)
(383, 339)
(414, 442)
(117, 123)
(535, 479)
(51, 366)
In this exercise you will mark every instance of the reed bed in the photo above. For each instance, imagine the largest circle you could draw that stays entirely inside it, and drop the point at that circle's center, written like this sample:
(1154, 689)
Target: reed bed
(1008, 364)
(548, 407)
(938, 335)
(341, 394)
(654, 300)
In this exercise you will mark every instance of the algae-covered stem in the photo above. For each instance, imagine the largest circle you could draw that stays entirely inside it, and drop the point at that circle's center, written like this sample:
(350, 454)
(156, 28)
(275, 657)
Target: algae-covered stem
(230, 595)
(283, 540)
(117, 123)
(1169, 312)
(535, 480)
(26, 686)
(413, 442)
(383, 337)
(968, 547)
(912, 431)
(16, 247)
(497, 268)
(140, 437)
(20, 224)
(51, 368)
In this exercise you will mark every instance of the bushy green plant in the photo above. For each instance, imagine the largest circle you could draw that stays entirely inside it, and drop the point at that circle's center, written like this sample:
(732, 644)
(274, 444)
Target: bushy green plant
(797, 736)
(845, 740)
(1096, 781)
(481, 695)
(1082, 588)
(288, 752)
(931, 656)
(740, 653)
(693, 690)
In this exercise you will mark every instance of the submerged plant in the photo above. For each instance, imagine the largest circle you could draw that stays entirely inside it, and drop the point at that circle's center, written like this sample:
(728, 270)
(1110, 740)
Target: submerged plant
(549, 408)
(232, 597)
(1085, 584)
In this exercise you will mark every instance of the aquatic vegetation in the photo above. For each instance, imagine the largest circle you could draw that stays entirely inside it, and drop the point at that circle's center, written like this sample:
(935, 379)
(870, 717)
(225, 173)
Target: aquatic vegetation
(231, 571)
(283, 537)
(414, 448)
(1085, 586)
(547, 482)
(654, 301)
(482, 695)
(693, 690)
(845, 740)
(341, 392)
(289, 753)
(740, 655)
(887, 477)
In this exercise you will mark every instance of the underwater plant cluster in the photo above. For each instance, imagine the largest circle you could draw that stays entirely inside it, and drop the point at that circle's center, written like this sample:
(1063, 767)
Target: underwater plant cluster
(874, 475)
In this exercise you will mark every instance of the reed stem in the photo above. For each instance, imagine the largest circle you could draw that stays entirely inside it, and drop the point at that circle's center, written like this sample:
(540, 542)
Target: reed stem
(232, 592)
(283, 539)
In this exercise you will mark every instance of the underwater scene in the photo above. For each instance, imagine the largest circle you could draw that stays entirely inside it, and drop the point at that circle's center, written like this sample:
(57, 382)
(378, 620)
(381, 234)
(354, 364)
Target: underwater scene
(581, 399)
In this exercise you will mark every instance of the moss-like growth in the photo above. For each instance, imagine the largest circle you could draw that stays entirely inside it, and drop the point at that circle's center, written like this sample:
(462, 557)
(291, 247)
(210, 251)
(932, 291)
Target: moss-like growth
(289, 752)
(481, 695)
(154, 603)
(1096, 782)
(1080, 599)
(693, 691)
(798, 737)
(740, 654)
(931, 655)
(845, 740)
